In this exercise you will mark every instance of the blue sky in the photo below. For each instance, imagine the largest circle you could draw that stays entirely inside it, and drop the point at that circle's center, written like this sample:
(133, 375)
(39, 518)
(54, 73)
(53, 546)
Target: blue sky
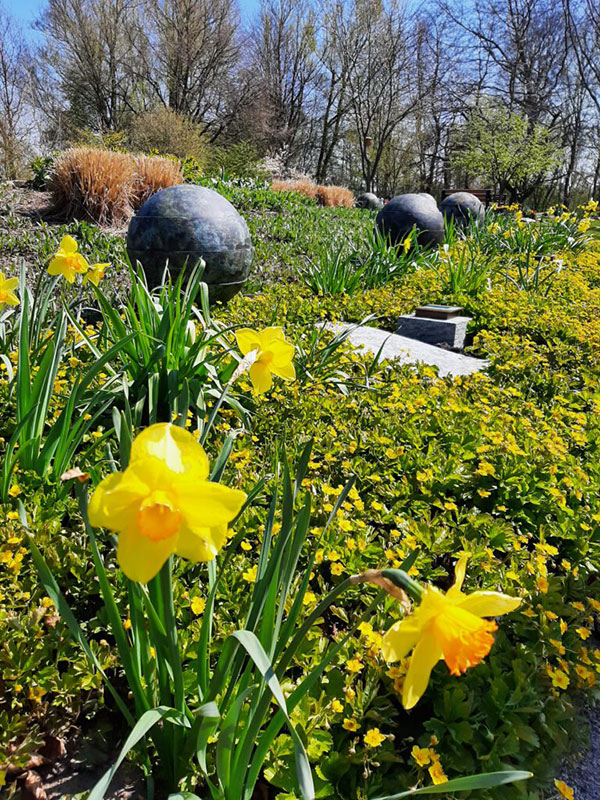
(27, 10)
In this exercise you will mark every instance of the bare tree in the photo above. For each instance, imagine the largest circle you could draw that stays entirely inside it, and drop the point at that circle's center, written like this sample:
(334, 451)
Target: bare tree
(86, 49)
(14, 62)
(376, 41)
(283, 44)
(187, 51)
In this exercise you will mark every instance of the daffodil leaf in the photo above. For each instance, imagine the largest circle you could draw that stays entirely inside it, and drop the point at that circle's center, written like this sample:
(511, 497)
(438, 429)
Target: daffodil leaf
(144, 724)
(485, 781)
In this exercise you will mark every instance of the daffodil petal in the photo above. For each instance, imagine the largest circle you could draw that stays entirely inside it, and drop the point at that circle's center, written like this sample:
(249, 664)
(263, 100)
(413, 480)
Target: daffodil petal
(56, 266)
(424, 658)
(139, 557)
(68, 245)
(10, 284)
(287, 371)
(201, 546)
(400, 639)
(459, 572)
(115, 503)
(269, 336)
(247, 340)
(206, 505)
(260, 375)
(174, 446)
(283, 352)
(488, 604)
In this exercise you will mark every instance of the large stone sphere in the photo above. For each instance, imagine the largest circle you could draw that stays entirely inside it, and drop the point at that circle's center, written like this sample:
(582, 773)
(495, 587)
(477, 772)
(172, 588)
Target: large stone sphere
(369, 200)
(429, 197)
(463, 207)
(184, 223)
(404, 212)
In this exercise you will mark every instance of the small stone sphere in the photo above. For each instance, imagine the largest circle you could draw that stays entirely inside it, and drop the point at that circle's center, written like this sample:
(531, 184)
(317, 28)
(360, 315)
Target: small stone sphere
(405, 211)
(182, 224)
(369, 200)
(463, 207)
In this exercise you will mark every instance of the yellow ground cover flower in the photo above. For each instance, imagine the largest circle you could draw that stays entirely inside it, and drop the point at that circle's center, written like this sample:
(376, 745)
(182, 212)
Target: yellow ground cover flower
(67, 261)
(448, 626)
(274, 356)
(437, 773)
(374, 737)
(7, 291)
(564, 790)
(163, 503)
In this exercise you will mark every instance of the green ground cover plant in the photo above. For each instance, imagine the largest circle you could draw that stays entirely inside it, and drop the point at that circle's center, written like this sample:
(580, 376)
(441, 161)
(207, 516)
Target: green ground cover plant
(403, 470)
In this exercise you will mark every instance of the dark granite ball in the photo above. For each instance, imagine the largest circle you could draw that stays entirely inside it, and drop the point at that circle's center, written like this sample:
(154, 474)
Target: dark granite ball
(463, 207)
(184, 223)
(405, 211)
(369, 200)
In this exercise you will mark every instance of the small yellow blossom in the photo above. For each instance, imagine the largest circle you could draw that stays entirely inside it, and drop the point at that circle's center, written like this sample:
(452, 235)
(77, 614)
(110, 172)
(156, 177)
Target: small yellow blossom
(354, 665)
(437, 774)
(350, 724)
(422, 755)
(564, 790)
(374, 737)
(198, 605)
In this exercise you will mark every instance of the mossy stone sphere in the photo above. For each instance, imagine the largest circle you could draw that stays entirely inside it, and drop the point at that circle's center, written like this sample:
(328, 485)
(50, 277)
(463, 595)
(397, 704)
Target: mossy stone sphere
(463, 207)
(182, 224)
(404, 212)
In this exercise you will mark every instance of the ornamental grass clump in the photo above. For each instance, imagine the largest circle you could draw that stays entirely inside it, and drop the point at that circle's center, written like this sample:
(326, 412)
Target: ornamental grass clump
(153, 173)
(93, 184)
(107, 187)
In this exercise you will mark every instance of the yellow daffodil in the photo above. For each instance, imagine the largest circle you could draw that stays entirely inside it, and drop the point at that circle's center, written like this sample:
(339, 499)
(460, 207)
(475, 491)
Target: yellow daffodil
(448, 626)
(95, 274)
(163, 503)
(67, 261)
(7, 291)
(274, 356)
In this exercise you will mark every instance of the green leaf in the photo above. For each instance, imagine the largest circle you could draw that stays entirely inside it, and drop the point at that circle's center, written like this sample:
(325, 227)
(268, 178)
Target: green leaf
(485, 781)
(145, 723)
(255, 650)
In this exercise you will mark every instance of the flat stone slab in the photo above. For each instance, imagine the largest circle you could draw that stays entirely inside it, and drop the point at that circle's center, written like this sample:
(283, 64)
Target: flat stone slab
(409, 351)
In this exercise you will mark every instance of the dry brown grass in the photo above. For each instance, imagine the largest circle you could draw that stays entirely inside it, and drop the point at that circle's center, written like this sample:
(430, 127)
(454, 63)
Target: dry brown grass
(325, 195)
(305, 187)
(153, 173)
(106, 187)
(335, 196)
(93, 184)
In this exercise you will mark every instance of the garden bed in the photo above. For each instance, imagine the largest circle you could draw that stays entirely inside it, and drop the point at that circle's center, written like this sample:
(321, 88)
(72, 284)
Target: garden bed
(502, 465)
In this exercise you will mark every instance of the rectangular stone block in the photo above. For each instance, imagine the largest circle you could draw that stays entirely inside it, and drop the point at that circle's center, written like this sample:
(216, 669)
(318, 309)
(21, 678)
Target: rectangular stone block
(450, 332)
